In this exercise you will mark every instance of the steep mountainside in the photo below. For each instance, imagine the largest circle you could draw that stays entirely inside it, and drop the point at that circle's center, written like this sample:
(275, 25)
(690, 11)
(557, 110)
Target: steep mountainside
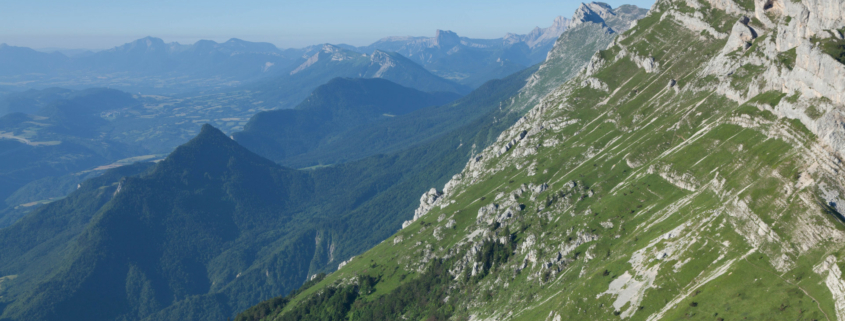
(402, 132)
(691, 171)
(330, 111)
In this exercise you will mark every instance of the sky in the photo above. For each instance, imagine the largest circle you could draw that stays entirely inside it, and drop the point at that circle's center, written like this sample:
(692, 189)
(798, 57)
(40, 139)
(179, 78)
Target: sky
(101, 24)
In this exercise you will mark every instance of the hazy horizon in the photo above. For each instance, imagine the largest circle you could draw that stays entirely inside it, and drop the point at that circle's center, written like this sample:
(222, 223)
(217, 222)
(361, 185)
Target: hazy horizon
(50, 24)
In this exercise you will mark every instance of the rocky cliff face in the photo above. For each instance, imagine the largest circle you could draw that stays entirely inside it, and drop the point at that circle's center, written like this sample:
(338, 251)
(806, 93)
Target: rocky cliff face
(690, 170)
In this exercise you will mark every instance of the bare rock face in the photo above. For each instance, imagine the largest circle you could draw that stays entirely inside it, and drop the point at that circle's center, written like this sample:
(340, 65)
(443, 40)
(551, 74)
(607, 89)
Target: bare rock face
(540, 36)
(591, 12)
(595, 84)
(741, 36)
(383, 60)
(816, 74)
(594, 65)
(446, 39)
(427, 201)
(328, 51)
(728, 6)
(646, 63)
(344, 263)
(812, 18)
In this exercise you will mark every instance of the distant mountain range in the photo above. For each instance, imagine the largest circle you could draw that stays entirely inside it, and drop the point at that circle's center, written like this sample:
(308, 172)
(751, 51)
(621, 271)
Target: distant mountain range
(148, 64)
(329, 62)
(153, 56)
(474, 61)
(151, 65)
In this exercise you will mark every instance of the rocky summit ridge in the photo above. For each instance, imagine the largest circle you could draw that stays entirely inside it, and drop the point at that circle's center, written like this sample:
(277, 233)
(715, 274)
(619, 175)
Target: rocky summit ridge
(692, 170)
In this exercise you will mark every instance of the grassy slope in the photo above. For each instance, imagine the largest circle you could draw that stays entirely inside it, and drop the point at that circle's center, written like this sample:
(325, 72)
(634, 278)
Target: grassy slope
(697, 241)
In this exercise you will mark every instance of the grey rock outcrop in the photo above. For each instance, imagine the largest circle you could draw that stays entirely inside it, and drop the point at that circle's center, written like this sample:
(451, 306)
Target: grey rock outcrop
(741, 36)
(427, 201)
(596, 12)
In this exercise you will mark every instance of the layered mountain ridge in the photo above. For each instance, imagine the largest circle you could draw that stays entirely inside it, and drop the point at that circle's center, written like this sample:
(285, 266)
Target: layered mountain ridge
(149, 64)
(692, 170)
(214, 228)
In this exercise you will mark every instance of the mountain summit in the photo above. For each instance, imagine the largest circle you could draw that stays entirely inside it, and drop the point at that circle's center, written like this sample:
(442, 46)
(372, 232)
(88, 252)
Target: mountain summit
(446, 39)
(596, 12)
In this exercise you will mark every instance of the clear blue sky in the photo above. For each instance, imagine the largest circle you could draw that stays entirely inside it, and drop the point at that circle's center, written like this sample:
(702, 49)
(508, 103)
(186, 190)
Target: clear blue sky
(99, 24)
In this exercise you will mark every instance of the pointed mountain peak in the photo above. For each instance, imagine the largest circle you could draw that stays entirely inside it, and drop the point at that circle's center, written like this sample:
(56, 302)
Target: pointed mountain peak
(597, 6)
(210, 131)
(541, 36)
(209, 137)
(595, 12)
(210, 152)
(560, 22)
